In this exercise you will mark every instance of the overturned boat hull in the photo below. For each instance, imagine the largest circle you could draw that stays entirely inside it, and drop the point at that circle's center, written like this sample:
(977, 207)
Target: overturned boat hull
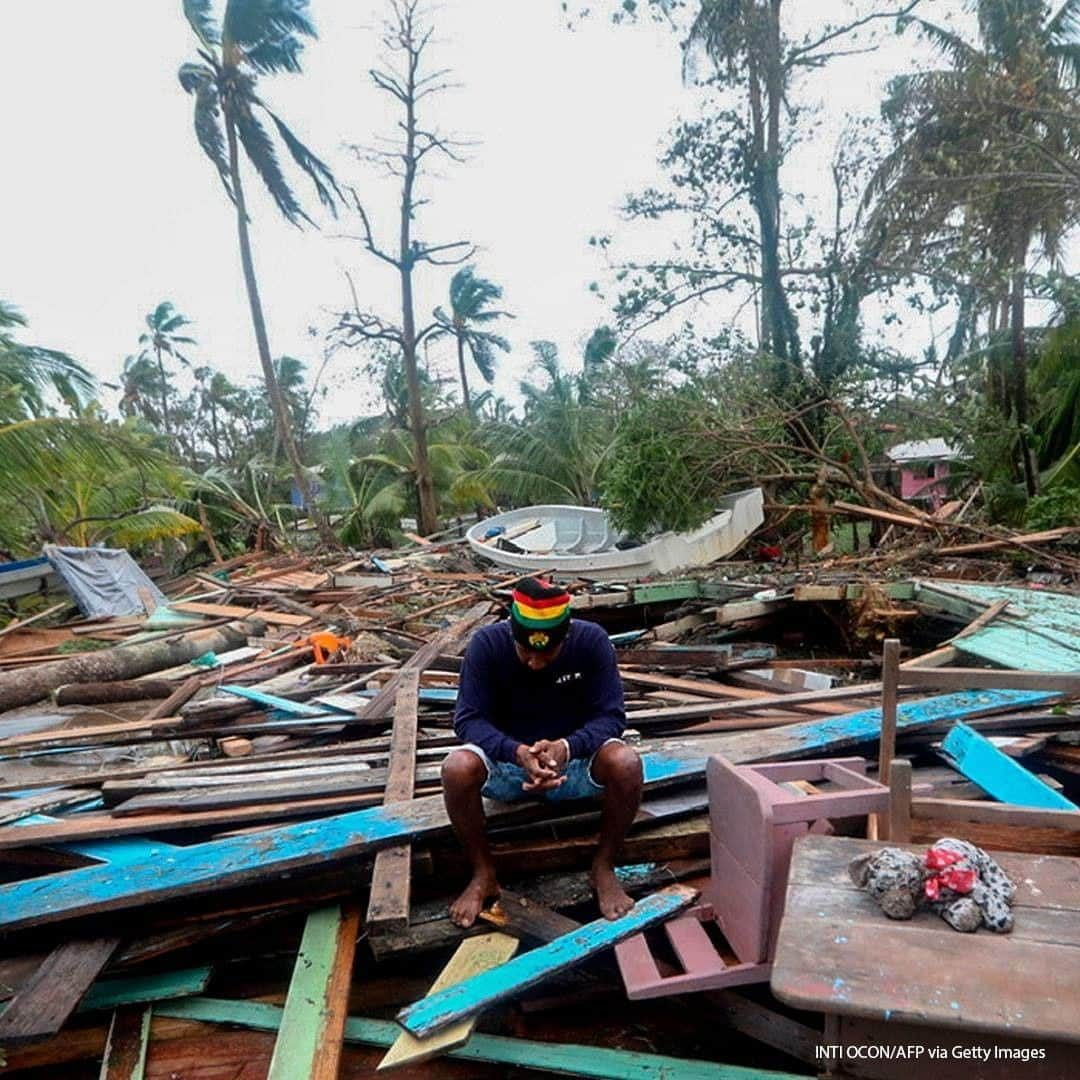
(579, 541)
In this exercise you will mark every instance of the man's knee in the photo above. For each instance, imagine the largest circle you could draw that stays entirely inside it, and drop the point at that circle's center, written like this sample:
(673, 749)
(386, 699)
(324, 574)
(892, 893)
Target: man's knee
(617, 765)
(462, 770)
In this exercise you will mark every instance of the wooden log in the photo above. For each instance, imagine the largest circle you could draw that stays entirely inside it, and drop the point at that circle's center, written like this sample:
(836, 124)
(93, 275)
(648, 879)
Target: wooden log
(43, 1005)
(26, 686)
(388, 906)
(313, 1021)
(467, 998)
(107, 693)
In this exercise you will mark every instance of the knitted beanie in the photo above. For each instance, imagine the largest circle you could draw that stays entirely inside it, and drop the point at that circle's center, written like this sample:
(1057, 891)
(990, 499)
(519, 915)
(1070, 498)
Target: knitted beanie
(539, 614)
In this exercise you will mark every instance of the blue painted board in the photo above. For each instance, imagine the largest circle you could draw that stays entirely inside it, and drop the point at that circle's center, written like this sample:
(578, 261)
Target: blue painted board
(998, 774)
(120, 849)
(293, 708)
(234, 860)
(466, 998)
(569, 1059)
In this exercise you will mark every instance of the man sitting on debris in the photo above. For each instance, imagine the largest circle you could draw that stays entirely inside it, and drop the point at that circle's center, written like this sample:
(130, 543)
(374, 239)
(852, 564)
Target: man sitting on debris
(540, 710)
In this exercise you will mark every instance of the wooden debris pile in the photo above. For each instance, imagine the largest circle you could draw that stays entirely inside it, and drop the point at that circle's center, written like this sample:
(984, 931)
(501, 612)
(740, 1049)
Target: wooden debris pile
(230, 814)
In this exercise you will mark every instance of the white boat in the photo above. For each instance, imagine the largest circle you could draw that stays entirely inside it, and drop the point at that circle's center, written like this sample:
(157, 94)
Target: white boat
(25, 577)
(579, 541)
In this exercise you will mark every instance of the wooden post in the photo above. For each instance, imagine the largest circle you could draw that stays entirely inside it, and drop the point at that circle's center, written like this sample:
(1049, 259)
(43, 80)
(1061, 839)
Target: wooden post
(900, 802)
(890, 685)
(388, 907)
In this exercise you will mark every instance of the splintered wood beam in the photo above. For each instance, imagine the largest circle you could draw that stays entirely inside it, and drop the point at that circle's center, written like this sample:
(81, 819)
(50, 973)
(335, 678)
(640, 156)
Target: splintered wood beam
(125, 1048)
(308, 1045)
(44, 1003)
(391, 878)
(523, 918)
(473, 956)
(467, 998)
(236, 860)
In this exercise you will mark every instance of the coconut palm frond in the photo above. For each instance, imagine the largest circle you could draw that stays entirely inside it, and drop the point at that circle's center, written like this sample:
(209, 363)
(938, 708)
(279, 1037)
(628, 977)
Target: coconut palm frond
(317, 171)
(260, 151)
(1064, 24)
(198, 80)
(945, 41)
(199, 15)
(146, 526)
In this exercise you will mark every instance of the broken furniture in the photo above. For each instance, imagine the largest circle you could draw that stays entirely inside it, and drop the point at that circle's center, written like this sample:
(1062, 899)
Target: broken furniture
(918, 984)
(894, 675)
(756, 814)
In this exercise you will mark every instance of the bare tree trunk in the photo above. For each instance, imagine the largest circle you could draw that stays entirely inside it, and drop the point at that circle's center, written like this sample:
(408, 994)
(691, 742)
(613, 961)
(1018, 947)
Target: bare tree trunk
(1019, 365)
(425, 488)
(277, 404)
(464, 377)
(164, 391)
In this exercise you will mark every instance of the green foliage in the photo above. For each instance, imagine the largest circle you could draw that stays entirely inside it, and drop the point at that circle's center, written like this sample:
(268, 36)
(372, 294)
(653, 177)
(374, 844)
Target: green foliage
(654, 477)
(1053, 509)
(30, 374)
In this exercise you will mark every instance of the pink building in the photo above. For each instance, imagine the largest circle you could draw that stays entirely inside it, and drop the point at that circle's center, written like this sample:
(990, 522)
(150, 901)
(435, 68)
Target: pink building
(924, 470)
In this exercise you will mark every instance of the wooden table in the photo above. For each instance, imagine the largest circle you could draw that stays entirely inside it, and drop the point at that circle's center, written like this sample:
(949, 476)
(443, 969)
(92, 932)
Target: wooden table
(919, 983)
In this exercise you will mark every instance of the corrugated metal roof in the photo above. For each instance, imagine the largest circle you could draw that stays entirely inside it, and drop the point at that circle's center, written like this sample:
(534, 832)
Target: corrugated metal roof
(922, 450)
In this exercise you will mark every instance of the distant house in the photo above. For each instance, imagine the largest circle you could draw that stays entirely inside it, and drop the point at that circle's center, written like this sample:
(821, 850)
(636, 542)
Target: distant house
(924, 470)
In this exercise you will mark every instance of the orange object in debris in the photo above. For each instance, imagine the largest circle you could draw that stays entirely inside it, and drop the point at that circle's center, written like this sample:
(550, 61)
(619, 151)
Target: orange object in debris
(324, 644)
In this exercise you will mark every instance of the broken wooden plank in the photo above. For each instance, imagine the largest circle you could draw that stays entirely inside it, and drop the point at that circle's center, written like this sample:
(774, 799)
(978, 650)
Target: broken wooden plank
(517, 915)
(126, 1045)
(219, 864)
(601, 1063)
(44, 1003)
(433, 1013)
(42, 802)
(998, 774)
(231, 611)
(472, 957)
(313, 1021)
(391, 878)
(119, 992)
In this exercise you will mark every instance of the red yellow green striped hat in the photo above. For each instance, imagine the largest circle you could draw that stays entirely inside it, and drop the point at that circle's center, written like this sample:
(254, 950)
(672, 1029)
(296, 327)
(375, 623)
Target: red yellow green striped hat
(539, 614)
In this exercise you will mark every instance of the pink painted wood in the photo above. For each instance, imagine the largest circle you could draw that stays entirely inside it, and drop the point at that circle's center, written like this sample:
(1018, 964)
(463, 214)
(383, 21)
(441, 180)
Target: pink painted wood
(754, 823)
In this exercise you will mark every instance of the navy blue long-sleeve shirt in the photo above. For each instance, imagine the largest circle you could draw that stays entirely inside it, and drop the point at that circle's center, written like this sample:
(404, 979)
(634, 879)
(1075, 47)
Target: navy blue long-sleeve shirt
(502, 704)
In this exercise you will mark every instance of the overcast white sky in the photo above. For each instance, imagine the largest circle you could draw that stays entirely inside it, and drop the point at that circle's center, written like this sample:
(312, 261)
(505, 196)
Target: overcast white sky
(109, 205)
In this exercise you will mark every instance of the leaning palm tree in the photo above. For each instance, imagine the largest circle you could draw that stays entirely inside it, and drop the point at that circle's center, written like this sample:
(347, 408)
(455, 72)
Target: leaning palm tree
(254, 38)
(162, 339)
(469, 299)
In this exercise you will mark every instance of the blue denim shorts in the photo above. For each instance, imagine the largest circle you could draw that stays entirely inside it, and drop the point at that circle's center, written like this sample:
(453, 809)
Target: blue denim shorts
(505, 779)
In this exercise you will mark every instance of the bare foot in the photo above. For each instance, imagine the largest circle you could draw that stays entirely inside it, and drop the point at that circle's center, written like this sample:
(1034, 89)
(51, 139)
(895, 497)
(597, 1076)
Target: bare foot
(464, 910)
(610, 895)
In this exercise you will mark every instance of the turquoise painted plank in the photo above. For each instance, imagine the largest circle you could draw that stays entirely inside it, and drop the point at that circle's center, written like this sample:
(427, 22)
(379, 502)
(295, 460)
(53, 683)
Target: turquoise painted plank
(121, 849)
(134, 990)
(200, 868)
(1020, 648)
(466, 998)
(567, 1059)
(301, 1031)
(998, 774)
(293, 708)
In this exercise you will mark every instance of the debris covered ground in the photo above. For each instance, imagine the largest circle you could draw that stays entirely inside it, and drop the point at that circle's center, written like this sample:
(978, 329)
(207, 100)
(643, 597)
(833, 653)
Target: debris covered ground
(212, 813)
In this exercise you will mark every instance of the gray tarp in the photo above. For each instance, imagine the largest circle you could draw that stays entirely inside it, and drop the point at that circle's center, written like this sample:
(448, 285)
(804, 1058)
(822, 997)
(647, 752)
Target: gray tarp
(103, 581)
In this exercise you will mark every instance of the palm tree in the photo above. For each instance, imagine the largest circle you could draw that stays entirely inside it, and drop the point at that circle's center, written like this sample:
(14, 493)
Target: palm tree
(254, 38)
(469, 299)
(161, 338)
(141, 388)
(29, 372)
(967, 178)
